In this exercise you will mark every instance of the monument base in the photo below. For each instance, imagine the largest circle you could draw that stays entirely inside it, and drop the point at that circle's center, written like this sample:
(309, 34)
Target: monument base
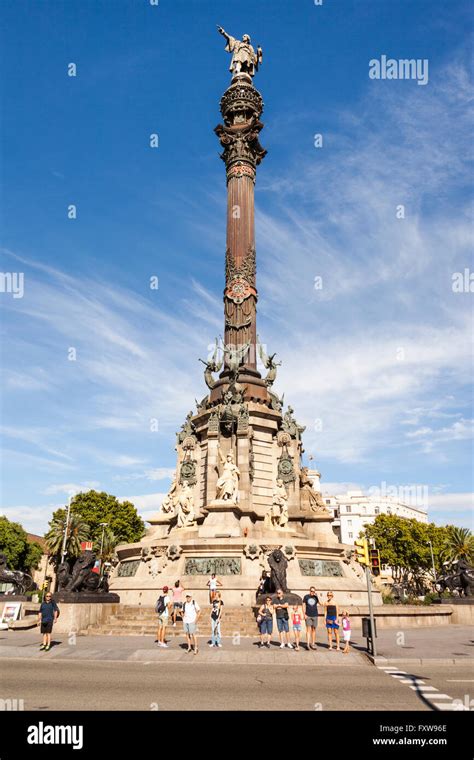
(292, 599)
(84, 598)
(238, 562)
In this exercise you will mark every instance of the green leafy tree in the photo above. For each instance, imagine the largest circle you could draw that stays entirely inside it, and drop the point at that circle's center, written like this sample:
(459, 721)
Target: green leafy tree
(77, 531)
(21, 554)
(95, 508)
(405, 546)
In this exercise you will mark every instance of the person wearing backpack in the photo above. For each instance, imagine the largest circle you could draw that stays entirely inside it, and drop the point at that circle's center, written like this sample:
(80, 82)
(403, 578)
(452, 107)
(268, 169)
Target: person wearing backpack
(191, 613)
(162, 608)
(47, 615)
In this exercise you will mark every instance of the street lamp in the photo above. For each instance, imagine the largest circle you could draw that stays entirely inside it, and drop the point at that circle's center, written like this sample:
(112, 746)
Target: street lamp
(70, 498)
(432, 562)
(103, 526)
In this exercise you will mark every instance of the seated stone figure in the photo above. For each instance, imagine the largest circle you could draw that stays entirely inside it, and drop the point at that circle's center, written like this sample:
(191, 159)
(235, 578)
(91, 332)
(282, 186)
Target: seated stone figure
(309, 498)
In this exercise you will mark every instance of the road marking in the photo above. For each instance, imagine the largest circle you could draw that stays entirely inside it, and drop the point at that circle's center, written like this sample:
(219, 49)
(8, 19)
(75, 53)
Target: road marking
(429, 692)
(423, 688)
(459, 680)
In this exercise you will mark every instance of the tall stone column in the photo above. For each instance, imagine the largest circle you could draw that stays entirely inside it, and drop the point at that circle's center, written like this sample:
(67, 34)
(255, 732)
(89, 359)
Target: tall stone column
(241, 107)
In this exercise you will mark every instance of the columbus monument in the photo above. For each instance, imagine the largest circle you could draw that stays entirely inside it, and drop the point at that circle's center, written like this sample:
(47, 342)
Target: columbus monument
(241, 500)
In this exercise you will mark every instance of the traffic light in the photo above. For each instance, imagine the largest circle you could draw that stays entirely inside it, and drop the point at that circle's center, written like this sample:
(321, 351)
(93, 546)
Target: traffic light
(362, 551)
(375, 561)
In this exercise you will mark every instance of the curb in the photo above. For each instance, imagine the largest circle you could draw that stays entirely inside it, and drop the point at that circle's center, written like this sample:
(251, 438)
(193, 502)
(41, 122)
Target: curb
(380, 660)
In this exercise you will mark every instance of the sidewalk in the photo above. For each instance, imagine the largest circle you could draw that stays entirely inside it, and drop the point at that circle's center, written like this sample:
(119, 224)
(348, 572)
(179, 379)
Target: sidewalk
(441, 645)
(243, 651)
(453, 644)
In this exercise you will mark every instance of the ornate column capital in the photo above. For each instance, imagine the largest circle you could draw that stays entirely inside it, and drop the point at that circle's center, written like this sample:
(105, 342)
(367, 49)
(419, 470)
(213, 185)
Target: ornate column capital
(241, 107)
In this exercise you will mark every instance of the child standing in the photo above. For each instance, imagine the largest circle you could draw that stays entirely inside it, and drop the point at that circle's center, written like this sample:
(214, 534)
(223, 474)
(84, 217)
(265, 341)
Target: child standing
(346, 631)
(296, 621)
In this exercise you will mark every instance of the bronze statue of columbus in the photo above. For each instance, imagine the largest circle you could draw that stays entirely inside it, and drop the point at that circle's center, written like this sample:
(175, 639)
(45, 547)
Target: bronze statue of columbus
(244, 58)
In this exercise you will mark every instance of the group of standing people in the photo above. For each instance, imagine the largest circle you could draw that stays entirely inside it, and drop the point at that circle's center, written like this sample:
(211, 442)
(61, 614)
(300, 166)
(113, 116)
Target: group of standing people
(284, 613)
(290, 618)
(170, 605)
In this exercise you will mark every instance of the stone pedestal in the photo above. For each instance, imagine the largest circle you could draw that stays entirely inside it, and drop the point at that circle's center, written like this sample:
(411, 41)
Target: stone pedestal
(221, 521)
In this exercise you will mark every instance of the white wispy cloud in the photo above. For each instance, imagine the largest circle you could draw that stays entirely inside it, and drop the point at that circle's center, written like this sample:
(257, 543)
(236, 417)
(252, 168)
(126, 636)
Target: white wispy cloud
(160, 473)
(147, 504)
(365, 358)
(71, 488)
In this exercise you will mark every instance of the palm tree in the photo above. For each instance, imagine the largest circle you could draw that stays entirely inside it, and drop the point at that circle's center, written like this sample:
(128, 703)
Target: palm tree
(77, 532)
(460, 543)
(109, 542)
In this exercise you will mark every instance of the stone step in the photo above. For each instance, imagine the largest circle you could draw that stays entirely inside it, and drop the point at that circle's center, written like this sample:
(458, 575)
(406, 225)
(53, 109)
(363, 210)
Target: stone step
(152, 634)
(171, 632)
(131, 620)
(229, 623)
(228, 615)
(151, 618)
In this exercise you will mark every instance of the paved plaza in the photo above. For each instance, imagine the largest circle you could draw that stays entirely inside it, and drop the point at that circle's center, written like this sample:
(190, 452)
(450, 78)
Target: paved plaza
(446, 645)
(432, 671)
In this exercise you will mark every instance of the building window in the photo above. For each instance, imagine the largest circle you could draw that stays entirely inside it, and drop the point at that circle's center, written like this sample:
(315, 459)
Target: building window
(349, 523)
(350, 535)
(348, 508)
(328, 501)
(377, 510)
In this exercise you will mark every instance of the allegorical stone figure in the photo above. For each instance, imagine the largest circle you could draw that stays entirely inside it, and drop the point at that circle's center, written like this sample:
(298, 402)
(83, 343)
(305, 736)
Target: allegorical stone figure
(168, 503)
(228, 483)
(185, 505)
(244, 58)
(277, 515)
(281, 497)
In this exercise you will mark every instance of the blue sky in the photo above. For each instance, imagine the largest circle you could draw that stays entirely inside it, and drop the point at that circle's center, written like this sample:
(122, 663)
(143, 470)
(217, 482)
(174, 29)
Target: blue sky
(377, 364)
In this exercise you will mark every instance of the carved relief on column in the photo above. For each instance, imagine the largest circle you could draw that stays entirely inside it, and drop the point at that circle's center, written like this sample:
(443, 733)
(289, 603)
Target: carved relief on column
(245, 272)
(240, 299)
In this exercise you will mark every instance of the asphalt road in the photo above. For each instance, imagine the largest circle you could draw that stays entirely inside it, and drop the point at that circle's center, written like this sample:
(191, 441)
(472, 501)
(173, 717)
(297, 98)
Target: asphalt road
(46, 685)
(441, 685)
